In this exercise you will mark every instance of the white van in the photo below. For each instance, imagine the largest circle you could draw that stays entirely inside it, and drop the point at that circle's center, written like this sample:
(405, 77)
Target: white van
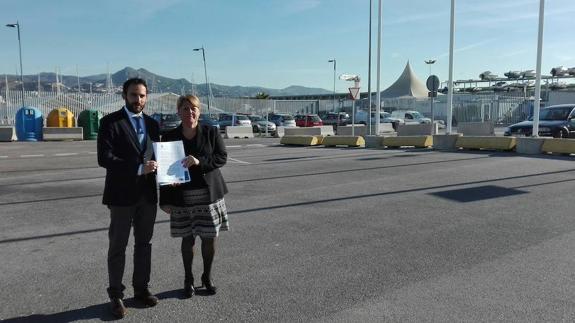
(410, 117)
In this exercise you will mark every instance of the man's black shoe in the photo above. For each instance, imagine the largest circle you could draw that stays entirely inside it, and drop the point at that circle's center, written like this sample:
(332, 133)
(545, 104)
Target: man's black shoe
(146, 298)
(117, 307)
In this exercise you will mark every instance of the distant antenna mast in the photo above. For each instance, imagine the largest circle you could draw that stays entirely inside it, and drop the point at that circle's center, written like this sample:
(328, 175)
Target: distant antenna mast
(39, 87)
(57, 83)
(108, 80)
(193, 87)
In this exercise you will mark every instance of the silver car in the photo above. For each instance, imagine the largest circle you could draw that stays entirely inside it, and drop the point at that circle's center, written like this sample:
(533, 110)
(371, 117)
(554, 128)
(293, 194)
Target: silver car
(282, 119)
(260, 125)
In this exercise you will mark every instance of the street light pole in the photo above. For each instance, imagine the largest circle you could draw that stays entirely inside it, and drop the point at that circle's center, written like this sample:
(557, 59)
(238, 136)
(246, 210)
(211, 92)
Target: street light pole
(334, 67)
(17, 26)
(206, 73)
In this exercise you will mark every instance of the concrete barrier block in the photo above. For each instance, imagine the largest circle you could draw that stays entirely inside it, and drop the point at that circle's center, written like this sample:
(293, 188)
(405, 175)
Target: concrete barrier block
(239, 132)
(411, 141)
(558, 145)
(476, 128)
(385, 128)
(350, 141)
(423, 129)
(531, 146)
(57, 133)
(445, 142)
(7, 133)
(373, 141)
(303, 131)
(486, 142)
(302, 140)
(359, 130)
(327, 131)
(280, 131)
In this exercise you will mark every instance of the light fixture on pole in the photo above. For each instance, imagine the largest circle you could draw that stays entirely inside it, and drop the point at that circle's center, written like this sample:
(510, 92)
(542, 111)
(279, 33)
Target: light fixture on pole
(334, 67)
(17, 25)
(430, 62)
(206, 73)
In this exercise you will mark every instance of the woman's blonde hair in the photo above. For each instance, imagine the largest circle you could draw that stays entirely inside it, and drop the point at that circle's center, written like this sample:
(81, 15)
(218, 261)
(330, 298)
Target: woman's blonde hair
(192, 99)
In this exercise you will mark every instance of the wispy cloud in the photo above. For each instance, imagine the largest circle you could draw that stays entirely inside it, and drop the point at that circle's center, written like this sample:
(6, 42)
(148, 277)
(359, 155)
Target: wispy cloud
(496, 21)
(468, 47)
(513, 53)
(149, 8)
(298, 6)
(495, 6)
(414, 18)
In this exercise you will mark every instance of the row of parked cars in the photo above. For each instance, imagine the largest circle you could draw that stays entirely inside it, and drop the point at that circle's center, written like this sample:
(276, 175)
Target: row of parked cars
(261, 124)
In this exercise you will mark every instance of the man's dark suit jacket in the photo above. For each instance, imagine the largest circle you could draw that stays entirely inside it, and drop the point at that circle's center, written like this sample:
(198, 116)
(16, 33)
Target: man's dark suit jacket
(212, 156)
(120, 153)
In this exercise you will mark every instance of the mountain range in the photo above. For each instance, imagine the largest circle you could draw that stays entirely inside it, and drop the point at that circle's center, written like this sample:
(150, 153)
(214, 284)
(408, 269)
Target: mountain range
(156, 84)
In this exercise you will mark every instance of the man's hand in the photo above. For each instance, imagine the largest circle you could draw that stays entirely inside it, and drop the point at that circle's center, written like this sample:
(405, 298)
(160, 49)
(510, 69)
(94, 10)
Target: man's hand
(190, 161)
(150, 166)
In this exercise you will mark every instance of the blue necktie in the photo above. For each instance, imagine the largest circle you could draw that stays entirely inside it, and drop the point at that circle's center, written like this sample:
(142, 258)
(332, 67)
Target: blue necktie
(140, 130)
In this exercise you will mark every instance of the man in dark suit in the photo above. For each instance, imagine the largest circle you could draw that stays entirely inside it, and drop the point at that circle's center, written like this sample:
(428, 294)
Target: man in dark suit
(125, 140)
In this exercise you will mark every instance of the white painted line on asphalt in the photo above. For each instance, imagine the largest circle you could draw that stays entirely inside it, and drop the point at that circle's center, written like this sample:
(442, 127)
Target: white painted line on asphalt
(65, 154)
(3, 156)
(29, 156)
(234, 146)
(255, 145)
(238, 161)
(92, 152)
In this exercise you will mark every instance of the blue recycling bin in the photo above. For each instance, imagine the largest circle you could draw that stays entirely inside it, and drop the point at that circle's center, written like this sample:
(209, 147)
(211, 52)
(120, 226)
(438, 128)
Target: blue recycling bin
(29, 124)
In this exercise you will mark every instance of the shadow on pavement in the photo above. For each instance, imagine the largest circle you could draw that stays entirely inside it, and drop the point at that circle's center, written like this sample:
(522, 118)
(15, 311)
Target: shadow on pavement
(99, 311)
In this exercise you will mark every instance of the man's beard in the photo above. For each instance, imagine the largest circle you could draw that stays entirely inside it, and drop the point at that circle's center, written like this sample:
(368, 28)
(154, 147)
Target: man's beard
(132, 109)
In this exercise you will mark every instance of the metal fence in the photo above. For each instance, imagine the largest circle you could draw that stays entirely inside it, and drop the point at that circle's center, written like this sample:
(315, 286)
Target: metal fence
(503, 109)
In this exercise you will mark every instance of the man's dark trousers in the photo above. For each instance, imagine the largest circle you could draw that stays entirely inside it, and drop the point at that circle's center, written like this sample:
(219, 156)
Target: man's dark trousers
(142, 217)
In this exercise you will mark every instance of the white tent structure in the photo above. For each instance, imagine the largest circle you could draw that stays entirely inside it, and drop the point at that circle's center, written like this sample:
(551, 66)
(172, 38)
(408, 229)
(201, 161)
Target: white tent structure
(406, 86)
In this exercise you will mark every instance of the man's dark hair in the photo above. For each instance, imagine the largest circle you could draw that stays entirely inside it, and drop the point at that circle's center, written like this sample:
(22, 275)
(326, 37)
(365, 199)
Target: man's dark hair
(133, 81)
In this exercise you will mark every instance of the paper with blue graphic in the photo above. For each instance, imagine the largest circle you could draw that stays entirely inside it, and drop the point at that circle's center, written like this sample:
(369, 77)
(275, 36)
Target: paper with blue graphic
(169, 156)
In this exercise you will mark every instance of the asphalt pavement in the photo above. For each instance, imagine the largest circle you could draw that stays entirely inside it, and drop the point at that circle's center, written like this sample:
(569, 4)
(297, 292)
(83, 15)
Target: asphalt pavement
(317, 235)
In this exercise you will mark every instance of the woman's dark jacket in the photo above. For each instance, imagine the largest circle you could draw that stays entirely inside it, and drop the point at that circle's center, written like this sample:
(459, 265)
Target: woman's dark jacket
(208, 147)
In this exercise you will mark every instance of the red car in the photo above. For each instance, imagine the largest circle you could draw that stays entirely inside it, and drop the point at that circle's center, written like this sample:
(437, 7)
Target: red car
(308, 120)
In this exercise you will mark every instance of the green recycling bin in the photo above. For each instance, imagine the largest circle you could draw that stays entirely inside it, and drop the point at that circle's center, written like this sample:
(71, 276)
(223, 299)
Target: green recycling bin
(89, 120)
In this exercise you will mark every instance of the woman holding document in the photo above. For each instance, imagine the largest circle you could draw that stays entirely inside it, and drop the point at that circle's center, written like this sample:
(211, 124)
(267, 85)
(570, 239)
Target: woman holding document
(197, 208)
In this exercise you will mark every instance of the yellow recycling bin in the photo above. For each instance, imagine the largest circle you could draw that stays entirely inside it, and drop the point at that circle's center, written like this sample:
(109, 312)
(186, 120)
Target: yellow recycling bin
(60, 118)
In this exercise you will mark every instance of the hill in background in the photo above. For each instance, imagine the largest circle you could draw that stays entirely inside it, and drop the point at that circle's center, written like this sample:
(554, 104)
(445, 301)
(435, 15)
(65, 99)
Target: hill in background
(156, 84)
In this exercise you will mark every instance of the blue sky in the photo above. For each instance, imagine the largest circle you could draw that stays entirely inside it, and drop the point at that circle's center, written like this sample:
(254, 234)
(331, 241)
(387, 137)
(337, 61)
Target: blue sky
(278, 43)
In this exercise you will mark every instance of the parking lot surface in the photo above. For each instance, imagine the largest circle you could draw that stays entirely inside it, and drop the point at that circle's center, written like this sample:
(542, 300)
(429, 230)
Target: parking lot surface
(317, 235)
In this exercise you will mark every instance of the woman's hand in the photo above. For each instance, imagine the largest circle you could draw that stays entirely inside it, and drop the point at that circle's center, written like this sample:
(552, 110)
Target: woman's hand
(190, 161)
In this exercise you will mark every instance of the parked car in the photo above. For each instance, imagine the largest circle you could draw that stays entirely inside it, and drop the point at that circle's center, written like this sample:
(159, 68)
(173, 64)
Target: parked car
(308, 120)
(335, 119)
(226, 119)
(209, 120)
(384, 117)
(259, 124)
(167, 121)
(282, 119)
(556, 120)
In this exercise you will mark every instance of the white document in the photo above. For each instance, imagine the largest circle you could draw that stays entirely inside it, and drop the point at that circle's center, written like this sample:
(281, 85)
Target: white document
(169, 156)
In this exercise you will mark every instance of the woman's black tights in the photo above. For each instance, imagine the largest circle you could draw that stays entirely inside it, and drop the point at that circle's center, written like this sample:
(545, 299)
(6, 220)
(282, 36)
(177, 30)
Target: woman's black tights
(208, 252)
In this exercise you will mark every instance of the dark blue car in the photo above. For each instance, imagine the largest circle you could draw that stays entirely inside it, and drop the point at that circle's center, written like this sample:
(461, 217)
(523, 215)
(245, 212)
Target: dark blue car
(556, 121)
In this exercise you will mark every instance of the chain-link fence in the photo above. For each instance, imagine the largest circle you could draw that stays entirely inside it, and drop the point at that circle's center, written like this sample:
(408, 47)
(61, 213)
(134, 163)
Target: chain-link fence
(503, 109)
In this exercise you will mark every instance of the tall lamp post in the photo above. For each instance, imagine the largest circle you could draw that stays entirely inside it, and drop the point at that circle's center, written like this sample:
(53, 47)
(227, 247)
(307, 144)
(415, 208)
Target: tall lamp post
(206, 73)
(17, 25)
(334, 67)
